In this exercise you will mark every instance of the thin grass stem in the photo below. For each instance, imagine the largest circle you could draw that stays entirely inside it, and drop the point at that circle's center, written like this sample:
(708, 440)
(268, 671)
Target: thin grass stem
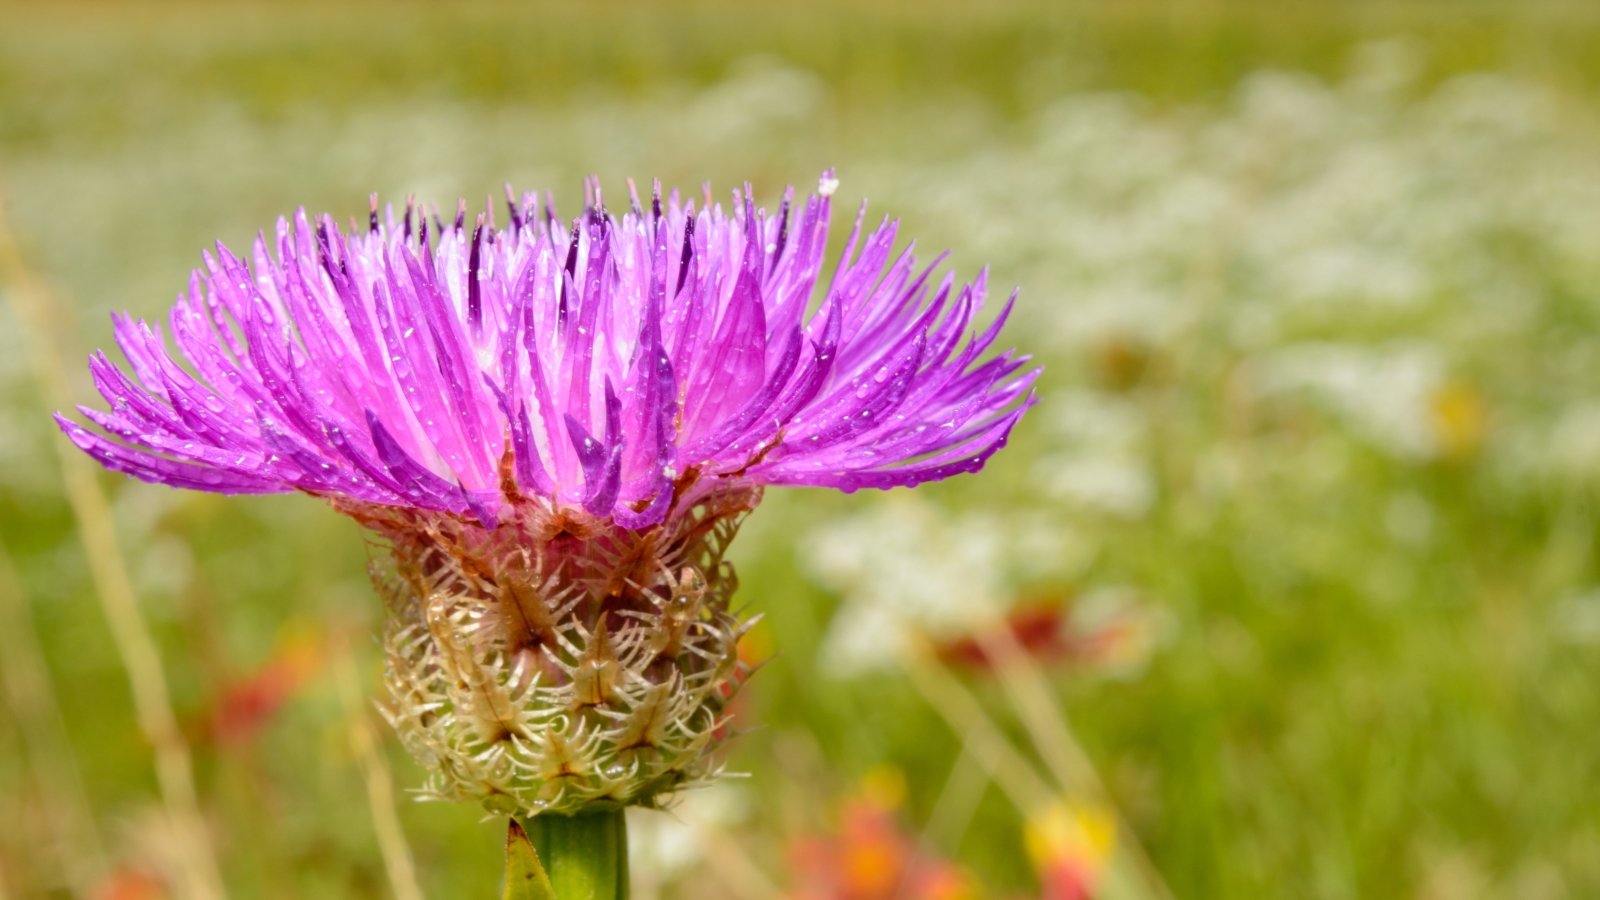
(396, 853)
(964, 714)
(1029, 693)
(956, 804)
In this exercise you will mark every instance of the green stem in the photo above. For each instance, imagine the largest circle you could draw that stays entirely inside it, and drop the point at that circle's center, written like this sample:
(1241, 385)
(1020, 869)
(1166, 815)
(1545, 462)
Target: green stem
(584, 857)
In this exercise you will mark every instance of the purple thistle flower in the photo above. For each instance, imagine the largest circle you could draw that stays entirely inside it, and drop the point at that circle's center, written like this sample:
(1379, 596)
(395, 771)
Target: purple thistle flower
(626, 365)
(556, 432)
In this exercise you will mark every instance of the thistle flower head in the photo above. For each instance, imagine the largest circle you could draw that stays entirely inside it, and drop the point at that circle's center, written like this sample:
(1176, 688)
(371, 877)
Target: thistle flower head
(556, 429)
(461, 367)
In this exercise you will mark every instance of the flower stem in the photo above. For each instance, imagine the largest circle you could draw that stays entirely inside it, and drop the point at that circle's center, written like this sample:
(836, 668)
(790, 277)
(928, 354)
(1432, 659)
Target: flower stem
(582, 857)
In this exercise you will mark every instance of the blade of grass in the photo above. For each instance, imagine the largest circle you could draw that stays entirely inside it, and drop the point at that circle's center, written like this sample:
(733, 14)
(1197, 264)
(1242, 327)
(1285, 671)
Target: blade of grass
(136, 645)
(957, 803)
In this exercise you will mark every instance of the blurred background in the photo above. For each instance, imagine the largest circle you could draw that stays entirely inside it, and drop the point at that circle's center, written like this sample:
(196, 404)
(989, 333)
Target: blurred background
(1288, 587)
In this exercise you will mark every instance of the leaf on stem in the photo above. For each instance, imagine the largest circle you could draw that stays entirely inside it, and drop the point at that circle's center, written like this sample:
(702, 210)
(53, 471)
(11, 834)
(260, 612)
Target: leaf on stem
(525, 875)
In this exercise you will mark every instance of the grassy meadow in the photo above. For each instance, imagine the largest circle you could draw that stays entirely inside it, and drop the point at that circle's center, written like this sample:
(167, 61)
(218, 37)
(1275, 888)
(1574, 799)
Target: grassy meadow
(1288, 587)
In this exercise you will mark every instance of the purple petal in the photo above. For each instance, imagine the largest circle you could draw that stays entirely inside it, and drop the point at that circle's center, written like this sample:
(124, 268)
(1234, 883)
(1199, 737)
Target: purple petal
(611, 358)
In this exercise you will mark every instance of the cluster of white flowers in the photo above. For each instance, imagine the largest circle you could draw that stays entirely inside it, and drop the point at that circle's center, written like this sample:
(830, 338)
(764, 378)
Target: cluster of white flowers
(911, 572)
(1299, 205)
(1309, 270)
(906, 569)
(1097, 457)
(910, 569)
(1385, 393)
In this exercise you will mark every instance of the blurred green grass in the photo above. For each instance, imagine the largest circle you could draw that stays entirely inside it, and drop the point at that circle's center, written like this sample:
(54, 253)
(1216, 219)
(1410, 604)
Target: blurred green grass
(1342, 709)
